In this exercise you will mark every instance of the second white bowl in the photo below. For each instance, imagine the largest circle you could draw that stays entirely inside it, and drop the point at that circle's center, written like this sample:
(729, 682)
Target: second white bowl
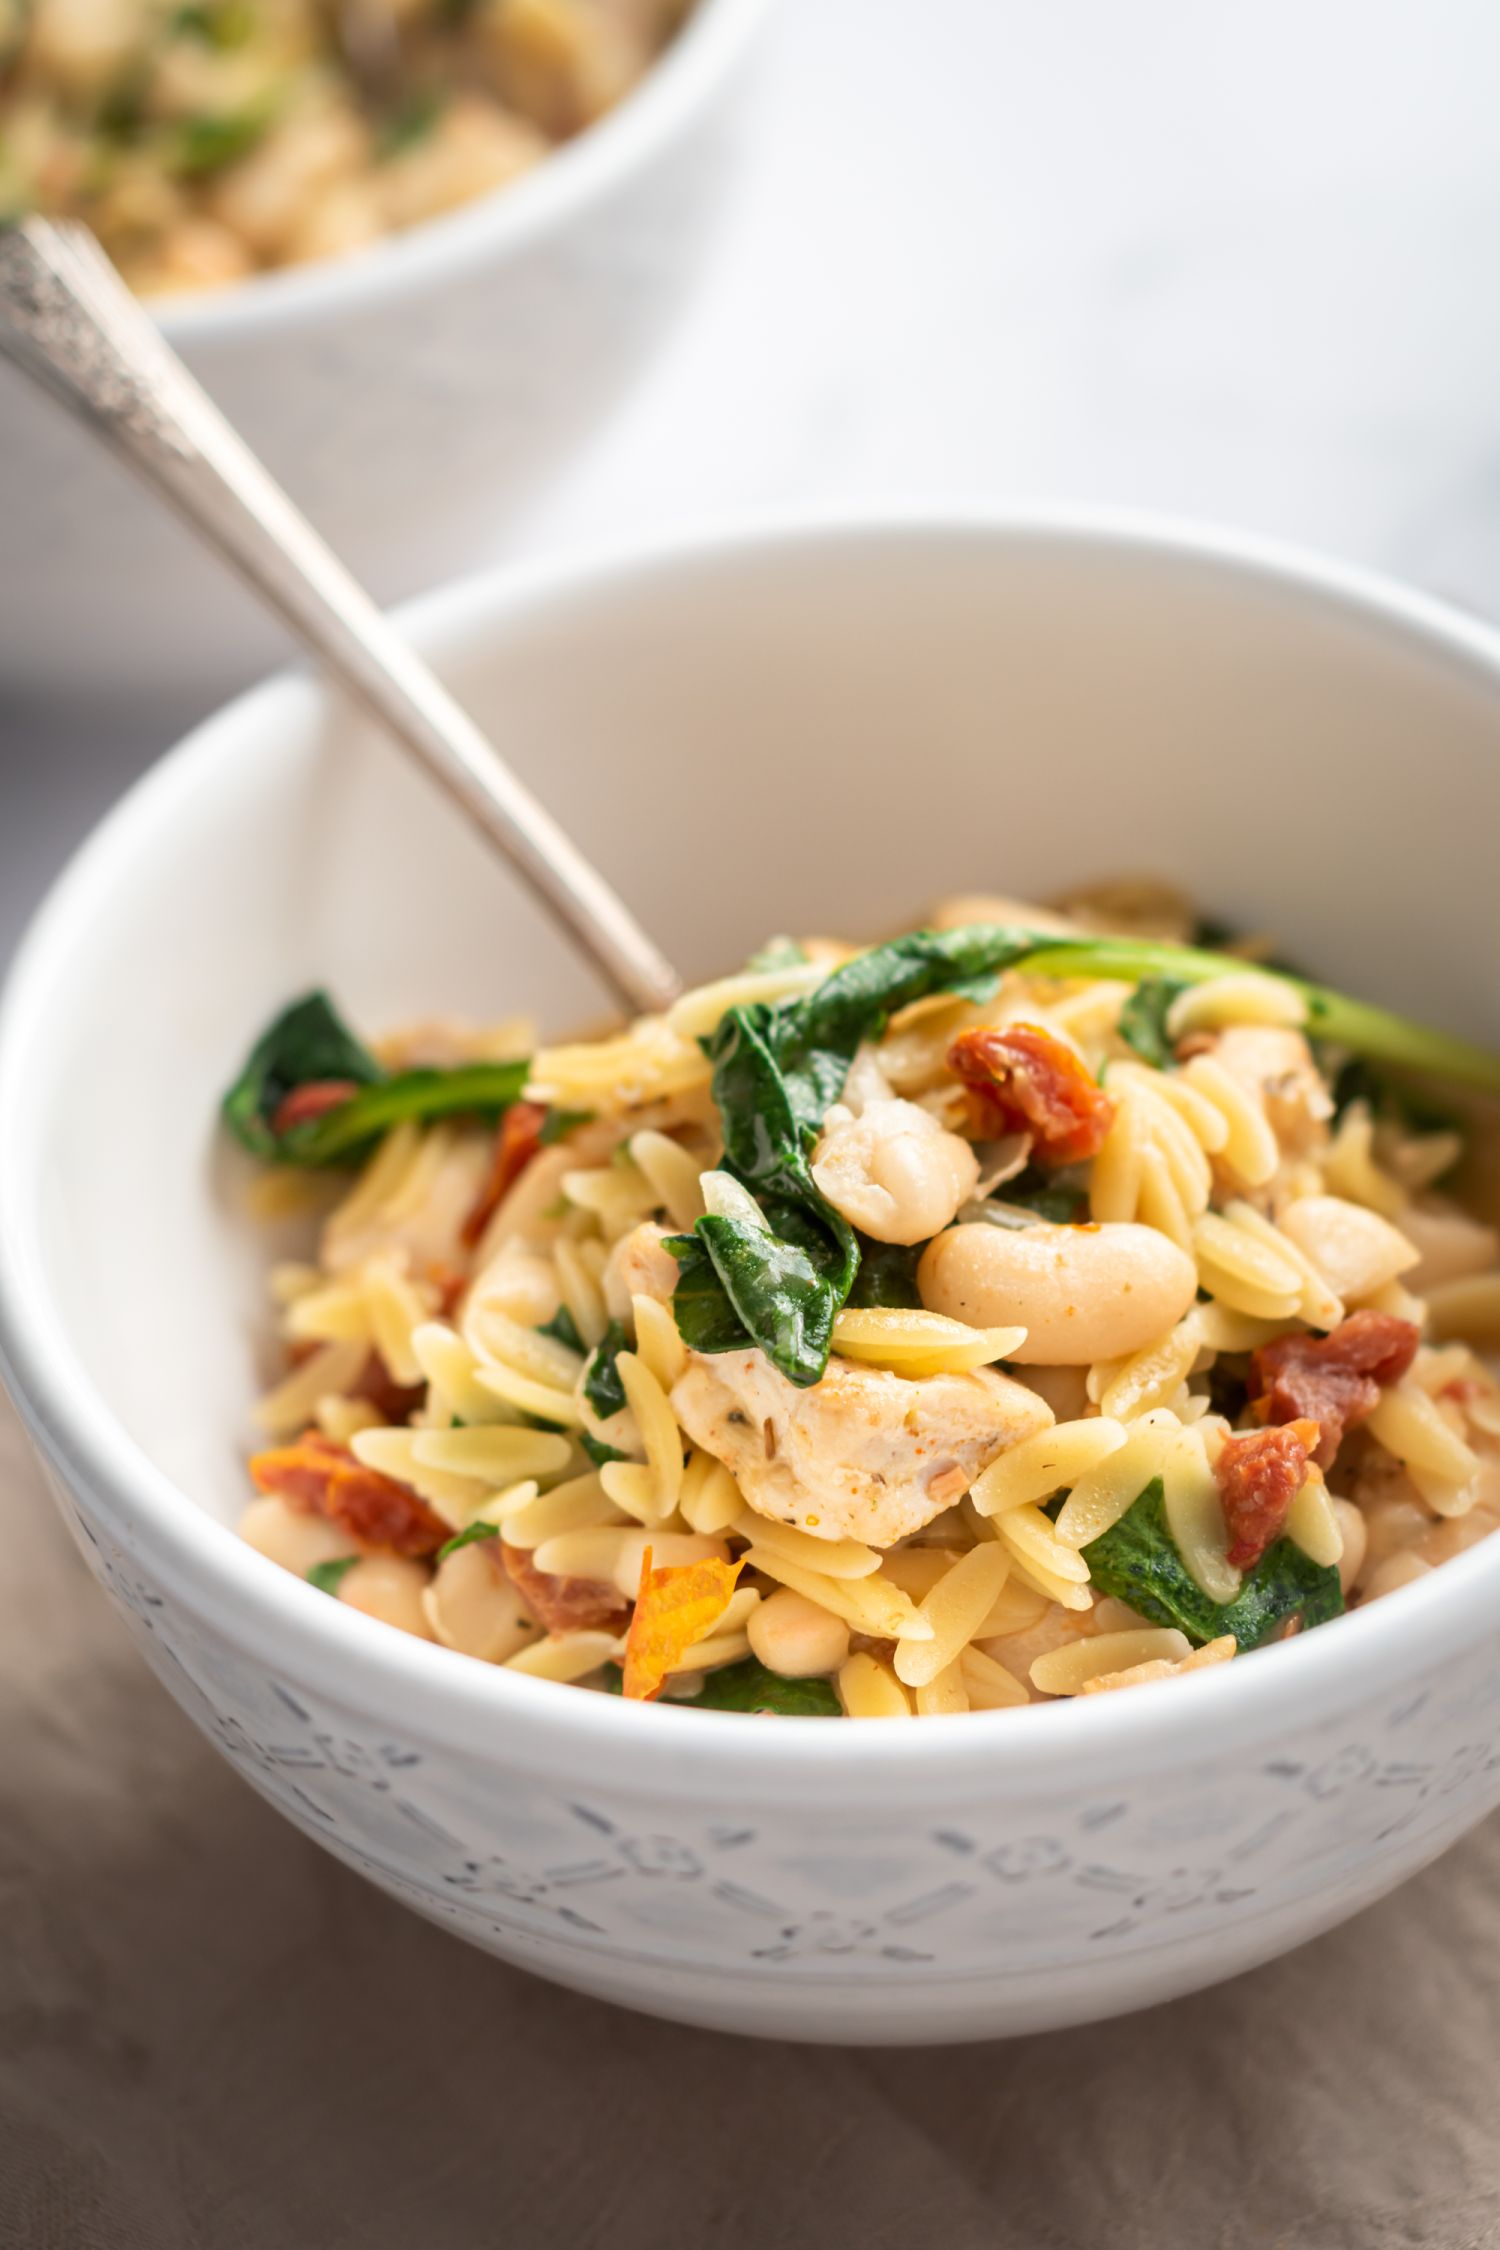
(411, 399)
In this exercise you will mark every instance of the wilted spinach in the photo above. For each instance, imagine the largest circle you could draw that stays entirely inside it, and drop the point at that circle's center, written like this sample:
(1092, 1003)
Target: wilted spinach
(1143, 1019)
(887, 1274)
(749, 1686)
(329, 1576)
(1137, 1561)
(602, 1385)
(309, 1044)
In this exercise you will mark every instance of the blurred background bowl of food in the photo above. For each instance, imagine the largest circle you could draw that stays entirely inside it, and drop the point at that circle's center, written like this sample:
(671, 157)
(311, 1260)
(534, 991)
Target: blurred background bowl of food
(417, 250)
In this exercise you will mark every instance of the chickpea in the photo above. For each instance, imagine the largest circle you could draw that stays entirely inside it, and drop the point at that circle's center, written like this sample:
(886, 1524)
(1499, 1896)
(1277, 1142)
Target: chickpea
(1352, 1526)
(293, 1537)
(1081, 1293)
(893, 1171)
(792, 1636)
(390, 1588)
(473, 1606)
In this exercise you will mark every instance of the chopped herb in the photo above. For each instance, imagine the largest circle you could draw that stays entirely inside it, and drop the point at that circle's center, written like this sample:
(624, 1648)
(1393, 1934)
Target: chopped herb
(411, 121)
(776, 954)
(309, 1044)
(468, 1537)
(563, 1329)
(602, 1386)
(1137, 1561)
(329, 1576)
(887, 1274)
(559, 1123)
(1143, 1019)
(207, 143)
(598, 1453)
(749, 1686)
(220, 24)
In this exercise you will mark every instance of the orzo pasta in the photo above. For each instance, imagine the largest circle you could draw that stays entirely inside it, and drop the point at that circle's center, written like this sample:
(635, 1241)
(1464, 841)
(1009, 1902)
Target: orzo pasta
(1019, 1309)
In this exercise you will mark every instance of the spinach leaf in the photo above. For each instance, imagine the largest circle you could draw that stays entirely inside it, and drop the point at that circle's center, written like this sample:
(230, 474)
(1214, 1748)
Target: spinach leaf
(344, 1134)
(602, 1386)
(706, 1320)
(776, 1073)
(748, 1686)
(470, 1535)
(1137, 1561)
(329, 1576)
(309, 1044)
(776, 953)
(786, 1292)
(597, 1452)
(1143, 1019)
(814, 1039)
(1054, 1196)
(887, 1274)
(563, 1329)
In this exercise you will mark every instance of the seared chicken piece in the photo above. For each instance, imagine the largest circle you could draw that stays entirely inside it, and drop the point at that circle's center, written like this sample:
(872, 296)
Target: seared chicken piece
(863, 1454)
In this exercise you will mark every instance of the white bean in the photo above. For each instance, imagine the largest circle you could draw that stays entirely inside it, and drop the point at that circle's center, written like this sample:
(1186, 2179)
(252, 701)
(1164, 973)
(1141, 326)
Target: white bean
(1081, 1293)
(473, 1606)
(792, 1636)
(293, 1537)
(894, 1170)
(390, 1588)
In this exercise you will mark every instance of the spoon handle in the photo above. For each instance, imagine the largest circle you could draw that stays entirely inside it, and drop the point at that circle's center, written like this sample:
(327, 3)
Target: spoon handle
(68, 321)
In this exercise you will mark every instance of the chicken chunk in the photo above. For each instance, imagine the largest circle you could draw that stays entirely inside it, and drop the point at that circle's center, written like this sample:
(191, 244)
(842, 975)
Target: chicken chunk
(863, 1454)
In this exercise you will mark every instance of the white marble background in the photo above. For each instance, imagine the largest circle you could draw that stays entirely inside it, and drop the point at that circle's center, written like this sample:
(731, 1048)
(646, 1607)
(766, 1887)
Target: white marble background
(1194, 255)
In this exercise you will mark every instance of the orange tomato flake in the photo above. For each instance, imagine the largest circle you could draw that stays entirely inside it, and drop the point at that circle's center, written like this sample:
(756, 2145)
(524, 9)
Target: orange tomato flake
(674, 1608)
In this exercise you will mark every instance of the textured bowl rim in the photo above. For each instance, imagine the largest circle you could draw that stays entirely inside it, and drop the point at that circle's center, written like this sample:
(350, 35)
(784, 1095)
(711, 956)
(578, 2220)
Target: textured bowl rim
(418, 1689)
(480, 235)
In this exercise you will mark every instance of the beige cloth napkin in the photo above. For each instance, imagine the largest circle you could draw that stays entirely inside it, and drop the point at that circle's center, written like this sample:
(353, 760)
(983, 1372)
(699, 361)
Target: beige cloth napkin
(212, 2037)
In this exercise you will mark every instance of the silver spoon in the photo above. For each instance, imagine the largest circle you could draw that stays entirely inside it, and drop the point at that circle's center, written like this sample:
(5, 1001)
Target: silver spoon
(68, 321)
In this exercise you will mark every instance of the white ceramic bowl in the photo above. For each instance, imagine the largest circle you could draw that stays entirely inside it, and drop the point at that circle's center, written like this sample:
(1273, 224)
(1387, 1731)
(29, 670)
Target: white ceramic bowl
(816, 730)
(411, 399)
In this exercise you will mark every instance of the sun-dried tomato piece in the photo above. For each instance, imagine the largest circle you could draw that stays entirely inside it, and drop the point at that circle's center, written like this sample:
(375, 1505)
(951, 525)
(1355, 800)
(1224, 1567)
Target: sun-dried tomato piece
(516, 1143)
(674, 1608)
(1027, 1081)
(305, 1103)
(563, 1605)
(1260, 1474)
(323, 1478)
(1334, 1380)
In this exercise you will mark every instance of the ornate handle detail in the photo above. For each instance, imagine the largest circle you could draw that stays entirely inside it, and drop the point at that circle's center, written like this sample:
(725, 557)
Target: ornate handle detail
(64, 322)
